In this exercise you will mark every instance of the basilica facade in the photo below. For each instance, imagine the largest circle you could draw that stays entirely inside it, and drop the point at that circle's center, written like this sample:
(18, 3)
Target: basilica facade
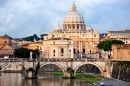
(73, 39)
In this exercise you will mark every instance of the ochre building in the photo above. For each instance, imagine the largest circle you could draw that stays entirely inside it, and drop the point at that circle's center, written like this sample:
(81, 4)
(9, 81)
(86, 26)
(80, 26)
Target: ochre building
(121, 51)
(6, 50)
(123, 35)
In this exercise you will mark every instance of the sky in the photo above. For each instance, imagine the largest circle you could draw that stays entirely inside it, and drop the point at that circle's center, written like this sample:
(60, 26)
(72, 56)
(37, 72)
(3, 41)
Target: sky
(22, 18)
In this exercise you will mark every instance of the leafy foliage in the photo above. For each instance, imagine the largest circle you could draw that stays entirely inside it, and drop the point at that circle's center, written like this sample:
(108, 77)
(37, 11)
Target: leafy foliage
(25, 53)
(106, 45)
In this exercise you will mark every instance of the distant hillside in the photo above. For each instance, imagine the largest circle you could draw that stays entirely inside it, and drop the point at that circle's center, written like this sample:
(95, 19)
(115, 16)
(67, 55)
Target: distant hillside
(31, 38)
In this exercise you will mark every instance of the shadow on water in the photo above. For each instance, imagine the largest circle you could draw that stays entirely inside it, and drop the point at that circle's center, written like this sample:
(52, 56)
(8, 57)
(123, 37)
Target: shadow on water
(45, 79)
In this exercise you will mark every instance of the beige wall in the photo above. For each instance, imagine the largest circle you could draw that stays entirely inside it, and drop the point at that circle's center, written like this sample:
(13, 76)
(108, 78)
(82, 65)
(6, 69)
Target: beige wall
(32, 46)
(121, 51)
(4, 41)
(52, 48)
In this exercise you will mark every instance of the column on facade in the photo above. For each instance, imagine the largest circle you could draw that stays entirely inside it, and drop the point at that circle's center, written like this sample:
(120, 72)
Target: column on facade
(80, 27)
(75, 26)
(57, 52)
(83, 27)
(81, 46)
(66, 26)
(63, 26)
(51, 52)
(72, 52)
(43, 53)
(65, 52)
(75, 44)
(71, 27)
(68, 50)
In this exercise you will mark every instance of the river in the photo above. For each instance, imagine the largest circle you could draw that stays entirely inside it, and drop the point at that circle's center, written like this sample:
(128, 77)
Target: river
(45, 79)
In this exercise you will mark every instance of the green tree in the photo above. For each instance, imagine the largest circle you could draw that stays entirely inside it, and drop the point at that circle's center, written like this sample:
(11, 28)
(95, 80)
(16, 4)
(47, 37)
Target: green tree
(42, 36)
(106, 45)
(25, 53)
(22, 53)
(36, 53)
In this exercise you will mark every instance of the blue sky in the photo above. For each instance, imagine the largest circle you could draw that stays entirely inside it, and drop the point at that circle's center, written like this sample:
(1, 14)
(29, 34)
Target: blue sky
(21, 18)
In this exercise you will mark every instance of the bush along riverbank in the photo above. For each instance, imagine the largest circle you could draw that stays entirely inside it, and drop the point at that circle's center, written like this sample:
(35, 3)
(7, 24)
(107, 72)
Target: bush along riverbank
(82, 76)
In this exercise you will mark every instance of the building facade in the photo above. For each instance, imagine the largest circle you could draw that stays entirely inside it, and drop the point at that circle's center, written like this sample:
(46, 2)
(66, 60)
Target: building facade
(74, 27)
(6, 50)
(32, 46)
(57, 48)
(123, 35)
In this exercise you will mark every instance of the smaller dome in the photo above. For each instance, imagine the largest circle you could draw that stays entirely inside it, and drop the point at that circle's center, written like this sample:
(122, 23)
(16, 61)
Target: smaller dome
(89, 28)
(58, 28)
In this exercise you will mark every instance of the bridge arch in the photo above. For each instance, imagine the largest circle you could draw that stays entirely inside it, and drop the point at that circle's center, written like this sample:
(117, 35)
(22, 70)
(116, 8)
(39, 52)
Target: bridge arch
(92, 63)
(61, 67)
(4, 66)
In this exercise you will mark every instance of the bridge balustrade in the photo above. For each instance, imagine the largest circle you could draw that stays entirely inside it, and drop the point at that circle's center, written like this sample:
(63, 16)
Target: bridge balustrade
(52, 59)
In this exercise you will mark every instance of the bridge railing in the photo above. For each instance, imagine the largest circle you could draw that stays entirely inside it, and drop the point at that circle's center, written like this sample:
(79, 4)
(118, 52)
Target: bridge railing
(51, 59)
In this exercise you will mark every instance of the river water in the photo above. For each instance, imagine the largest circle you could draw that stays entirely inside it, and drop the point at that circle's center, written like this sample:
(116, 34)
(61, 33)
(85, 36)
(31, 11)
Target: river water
(45, 79)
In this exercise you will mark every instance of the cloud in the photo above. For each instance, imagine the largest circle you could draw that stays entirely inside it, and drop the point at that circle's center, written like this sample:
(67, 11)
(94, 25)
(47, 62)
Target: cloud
(26, 17)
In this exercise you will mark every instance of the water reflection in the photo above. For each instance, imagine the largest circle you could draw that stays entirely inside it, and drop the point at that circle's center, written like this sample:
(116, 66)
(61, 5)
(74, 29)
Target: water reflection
(16, 79)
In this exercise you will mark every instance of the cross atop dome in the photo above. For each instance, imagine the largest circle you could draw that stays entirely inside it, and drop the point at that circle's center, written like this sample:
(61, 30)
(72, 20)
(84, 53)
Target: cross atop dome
(73, 7)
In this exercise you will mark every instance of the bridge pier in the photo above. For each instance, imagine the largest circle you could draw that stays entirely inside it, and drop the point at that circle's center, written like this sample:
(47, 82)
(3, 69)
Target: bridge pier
(69, 73)
(31, 70)
(108, 71)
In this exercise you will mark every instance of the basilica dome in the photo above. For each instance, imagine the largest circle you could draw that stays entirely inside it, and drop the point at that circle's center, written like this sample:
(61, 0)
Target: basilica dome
(73, 16)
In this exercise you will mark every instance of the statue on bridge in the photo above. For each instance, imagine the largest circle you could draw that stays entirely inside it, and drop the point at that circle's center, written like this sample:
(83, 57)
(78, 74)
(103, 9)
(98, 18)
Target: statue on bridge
(31, 55)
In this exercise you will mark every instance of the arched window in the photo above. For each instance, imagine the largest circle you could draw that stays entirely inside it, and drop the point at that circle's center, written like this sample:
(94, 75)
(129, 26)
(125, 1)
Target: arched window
(77, 27)
(62, 50)
(94, 35)
(73, 27)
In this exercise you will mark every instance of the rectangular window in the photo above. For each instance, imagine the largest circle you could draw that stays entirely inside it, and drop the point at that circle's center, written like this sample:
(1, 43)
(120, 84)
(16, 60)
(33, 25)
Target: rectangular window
(53, 51)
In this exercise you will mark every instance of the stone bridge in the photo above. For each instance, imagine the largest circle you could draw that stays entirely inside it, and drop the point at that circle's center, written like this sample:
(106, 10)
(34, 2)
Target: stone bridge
(15, 64)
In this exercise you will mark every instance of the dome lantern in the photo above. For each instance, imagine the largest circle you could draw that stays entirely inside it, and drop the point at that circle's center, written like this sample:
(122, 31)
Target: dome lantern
(73, 7)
